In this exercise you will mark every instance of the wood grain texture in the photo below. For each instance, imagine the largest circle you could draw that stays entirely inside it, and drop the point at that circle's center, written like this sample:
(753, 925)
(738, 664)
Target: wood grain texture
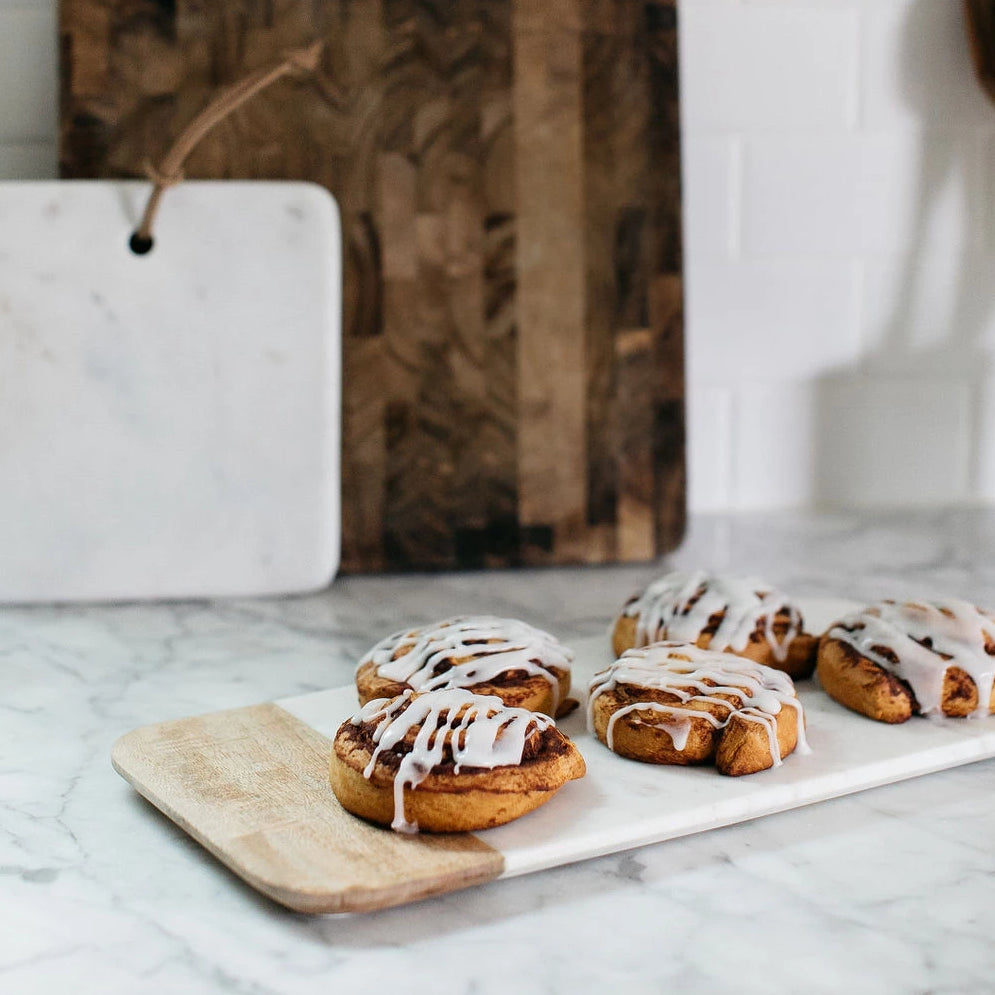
(508, 176)
(551, 342)
(251, 785)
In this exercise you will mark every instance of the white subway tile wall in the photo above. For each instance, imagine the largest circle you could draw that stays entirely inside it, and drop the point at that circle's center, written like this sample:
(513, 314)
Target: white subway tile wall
(773, 456)
(709, 428)
(839, 163)
(839, 175)
(854, 193)
(784, 319)
(28, 75)
(882, 441)
(739, 57)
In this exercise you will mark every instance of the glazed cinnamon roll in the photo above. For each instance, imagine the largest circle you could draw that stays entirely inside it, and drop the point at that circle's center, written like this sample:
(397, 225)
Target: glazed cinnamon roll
(675, 703)
(744, 616)
(894, 660)
(524, 666)
(448, 760)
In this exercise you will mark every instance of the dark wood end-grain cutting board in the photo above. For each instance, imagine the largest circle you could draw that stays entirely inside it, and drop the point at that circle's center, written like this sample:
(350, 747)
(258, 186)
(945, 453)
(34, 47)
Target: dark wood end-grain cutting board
(508, 175)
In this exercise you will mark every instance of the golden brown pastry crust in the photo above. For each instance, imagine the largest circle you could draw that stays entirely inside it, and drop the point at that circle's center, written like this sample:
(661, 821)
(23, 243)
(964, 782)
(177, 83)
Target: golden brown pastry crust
(861, 685)
(446, 800)
(865, 686)
(735, 743)
(630, 630)
(515, 686)
(799, 663)
(744, 748)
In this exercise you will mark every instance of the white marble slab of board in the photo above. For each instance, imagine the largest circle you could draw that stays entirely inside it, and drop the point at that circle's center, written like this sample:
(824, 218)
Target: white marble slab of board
(622, 804)
(169, 422)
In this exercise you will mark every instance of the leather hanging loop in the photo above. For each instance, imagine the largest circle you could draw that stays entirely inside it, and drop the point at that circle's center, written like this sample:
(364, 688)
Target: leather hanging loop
(170, 170)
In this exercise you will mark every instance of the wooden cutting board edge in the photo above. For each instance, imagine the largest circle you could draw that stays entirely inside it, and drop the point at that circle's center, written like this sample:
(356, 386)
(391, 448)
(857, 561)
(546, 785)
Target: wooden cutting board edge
(250, 785)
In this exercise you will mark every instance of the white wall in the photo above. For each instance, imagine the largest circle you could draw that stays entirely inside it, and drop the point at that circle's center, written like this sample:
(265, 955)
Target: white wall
(839, 166)
(839, 181)
(28, 88)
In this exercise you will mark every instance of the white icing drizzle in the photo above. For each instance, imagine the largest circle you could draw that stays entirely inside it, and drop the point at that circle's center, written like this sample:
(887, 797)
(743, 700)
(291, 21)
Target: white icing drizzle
(692, 674)
(955, 630)
(515, 646)
(480, 729)
(663, 611)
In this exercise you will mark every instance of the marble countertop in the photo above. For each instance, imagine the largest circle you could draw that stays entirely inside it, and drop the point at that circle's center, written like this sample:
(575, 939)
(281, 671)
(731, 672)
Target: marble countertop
(889, 890)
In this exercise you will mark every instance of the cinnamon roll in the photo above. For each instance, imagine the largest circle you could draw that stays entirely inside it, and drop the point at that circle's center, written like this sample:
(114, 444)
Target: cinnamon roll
(744, 616)
(448, 761)
(524, 666)
(675, 703)
(894, 660)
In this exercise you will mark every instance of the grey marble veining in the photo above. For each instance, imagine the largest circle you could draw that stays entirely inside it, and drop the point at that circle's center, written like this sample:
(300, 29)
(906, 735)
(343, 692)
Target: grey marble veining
(889, 890)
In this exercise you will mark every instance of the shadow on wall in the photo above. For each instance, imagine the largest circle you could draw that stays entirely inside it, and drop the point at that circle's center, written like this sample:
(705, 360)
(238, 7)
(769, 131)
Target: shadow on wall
(914, 423)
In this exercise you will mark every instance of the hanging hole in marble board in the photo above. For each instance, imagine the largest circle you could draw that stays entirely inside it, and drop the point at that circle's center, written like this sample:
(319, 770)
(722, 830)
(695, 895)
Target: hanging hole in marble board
(140, 244)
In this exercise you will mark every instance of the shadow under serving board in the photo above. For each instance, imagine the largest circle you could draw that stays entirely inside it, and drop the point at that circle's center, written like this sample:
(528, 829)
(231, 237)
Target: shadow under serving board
(251, 785)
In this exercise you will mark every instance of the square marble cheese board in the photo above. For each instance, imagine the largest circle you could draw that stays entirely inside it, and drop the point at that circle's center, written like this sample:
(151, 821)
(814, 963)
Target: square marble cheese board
(251, 786)
(170, 419)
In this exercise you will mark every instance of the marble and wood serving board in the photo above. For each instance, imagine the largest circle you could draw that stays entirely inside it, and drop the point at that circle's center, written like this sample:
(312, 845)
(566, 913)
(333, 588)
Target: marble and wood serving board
(251, 786)
(509, 178)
